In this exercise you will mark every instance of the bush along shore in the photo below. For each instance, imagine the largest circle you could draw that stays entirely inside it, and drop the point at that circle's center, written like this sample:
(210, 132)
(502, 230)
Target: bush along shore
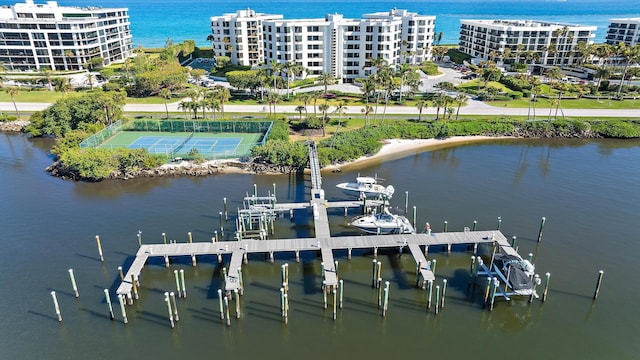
(348, 146)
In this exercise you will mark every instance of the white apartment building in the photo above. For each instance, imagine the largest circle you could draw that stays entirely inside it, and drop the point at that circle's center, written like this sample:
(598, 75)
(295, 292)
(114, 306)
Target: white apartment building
(35, 36)
(339, 46)
(624, 30)
(240, 36)
(554, 43)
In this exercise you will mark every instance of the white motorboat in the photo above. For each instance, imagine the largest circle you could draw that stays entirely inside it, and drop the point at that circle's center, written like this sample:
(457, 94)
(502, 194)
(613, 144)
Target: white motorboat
(516, 272)
(368, 186)
(383, 223)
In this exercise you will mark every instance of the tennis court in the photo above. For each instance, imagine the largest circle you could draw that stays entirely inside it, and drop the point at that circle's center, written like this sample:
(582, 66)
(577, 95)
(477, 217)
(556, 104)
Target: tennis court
(187, 139)
(185, 145)
(216, 147)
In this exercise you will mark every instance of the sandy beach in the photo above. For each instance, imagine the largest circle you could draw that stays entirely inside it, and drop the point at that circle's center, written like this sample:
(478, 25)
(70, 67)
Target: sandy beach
(397, 148)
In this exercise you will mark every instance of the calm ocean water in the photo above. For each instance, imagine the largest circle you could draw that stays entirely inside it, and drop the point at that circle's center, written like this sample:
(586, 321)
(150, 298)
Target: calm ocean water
(180, 20)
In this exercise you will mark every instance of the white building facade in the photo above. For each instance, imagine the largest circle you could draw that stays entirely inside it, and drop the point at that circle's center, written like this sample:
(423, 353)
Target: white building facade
(342, 47)
(37, 36)
(240, 36)
(626, 31)
(554, 43)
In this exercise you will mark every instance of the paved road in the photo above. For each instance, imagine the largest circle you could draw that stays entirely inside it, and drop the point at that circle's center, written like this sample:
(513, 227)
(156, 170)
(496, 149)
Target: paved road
(472, 108)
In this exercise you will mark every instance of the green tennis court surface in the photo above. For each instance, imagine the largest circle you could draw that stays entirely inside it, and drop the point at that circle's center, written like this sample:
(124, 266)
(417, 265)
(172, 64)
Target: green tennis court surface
(184, 144)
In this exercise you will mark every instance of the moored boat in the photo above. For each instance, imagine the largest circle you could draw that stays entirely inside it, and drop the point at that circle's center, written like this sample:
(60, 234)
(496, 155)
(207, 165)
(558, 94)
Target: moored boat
(383, 223)
(367, 186)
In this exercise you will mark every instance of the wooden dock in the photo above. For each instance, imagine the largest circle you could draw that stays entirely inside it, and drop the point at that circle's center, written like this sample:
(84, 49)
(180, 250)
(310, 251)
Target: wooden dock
(237, 249)
(323, 242)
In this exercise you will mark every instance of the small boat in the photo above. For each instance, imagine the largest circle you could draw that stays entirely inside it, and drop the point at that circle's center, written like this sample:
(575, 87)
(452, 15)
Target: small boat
(368, 186)
(383, 223)
(516, 272)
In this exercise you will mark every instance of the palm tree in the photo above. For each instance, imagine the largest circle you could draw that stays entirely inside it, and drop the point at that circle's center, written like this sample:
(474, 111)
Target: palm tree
(439, 102)
(324, 108)
(300, 109)
(13, 91)
(404, 70)
(602, 73)
(166, 95)
(460, 99)
(366, 110)
(421, 104)
(211, 39)
(315, 96)
(223, 95)
(276, 68)
(184, 106)
(535, 90)
(212, 104)
(326, 79)
(305, 98)
(68, 54)
(46, 72)
(340, 110)
(627, 54)
(272, 99)
(62, 85)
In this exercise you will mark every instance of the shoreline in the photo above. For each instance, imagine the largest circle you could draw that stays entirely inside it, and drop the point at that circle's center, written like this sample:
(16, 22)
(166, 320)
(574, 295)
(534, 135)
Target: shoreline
(399, 148)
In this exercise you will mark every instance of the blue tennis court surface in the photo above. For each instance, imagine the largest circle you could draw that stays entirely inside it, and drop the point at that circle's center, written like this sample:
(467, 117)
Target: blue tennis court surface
(174, 146)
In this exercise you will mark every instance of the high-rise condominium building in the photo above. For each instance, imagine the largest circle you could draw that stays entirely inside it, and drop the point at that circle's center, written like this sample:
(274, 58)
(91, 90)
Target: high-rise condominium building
(36, 36)
(545, 43)
(624, 30)
(335, 45)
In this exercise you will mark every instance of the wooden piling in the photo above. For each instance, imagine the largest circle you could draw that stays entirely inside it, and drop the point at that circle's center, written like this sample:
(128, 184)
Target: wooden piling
(190, 237)
(379, 276)
(122, 309)
(107, 297)
(475, 225)
(348, 253)
(139, 238)
(541, 228)
(335, 302)
(487, 291)
(499, 223)
(99, 248)
(444, 291)
(56, 305)
(600, 274)
(415, 211)
(221, 304)
(221, 225)
(237, 297)
(175, 275)
(536, 282)
(226, 311)
(73, 283)
(341, 291)
(324, 294)
(373, 274)
(172, 295)
(546, 286)
(433, 266)
(429, 293)
(135, 286)
(406, 202)
(164, 238)
(121, 273)
(226, 217)
(496, 285)
(513, 241)
(446, 226)
(437, 299)
(386, 299)
(184, 289)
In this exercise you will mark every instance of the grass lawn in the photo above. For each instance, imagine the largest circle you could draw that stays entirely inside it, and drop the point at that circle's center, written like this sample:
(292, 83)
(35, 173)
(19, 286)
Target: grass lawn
(33, 96)
(571, 104)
